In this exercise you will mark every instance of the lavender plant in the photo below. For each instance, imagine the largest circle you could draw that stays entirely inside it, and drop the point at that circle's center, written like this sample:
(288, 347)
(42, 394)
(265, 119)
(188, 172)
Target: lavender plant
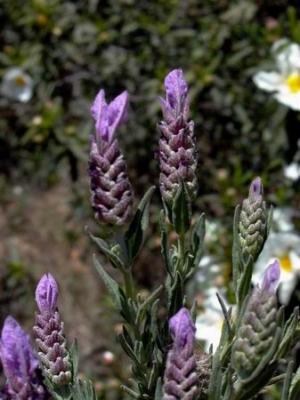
(159, 332)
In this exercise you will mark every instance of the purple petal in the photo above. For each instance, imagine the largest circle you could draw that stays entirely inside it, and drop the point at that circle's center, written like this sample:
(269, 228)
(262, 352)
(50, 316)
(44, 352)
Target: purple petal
(117, 113)
(99, 113)
(176, 90)
(16, 353)
(271, 277)
(46, 294)
(182, 328)
(256, 189)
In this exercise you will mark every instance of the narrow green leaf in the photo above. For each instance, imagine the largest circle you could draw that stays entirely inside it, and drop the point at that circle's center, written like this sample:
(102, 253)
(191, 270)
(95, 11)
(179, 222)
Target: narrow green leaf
(74, 356)
(158, 390)
(198, 239)
(181, 210)
(106, 250)
(84, 390)
(164, 244)
(236, 253)
(287, 381)
(111, 285)
(134, 237)
(294, 392)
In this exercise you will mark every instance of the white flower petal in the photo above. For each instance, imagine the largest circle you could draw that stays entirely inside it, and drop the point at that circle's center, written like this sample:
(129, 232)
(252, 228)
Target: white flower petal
(282, 218)
(291, 100)
(268, 81)
(292, 171)
(12, 89)
(288, 57)
(286, 289)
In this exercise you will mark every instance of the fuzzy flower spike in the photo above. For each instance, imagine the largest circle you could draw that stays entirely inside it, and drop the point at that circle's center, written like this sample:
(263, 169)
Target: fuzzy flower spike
(180, 380)
(258, 332)
(177, 147)
(111, 191)
(20, 365)
(49, 333)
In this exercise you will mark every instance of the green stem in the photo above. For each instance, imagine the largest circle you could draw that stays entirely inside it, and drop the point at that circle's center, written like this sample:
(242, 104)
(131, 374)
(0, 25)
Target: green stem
(129, 285)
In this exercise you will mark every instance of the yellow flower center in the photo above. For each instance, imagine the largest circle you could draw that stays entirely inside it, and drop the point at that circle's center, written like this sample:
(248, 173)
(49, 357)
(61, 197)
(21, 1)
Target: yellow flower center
(20, 81)
(293, 82)
(285, 263)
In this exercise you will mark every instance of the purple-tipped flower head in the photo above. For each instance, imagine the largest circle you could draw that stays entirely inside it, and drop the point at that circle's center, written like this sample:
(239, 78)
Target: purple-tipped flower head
(180, 379)
(182, 328)
(20, 364)
(256, 190)
(271, 278)
(49, 334)
(109, 116)
(253, 221)
(177, 147)
(260, 328)
(176, 102)
(46, 294)
(111, 190)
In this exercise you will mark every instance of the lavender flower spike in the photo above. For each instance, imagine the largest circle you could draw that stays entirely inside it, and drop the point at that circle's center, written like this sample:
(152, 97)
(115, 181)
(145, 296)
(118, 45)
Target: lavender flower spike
(177, 147)
(259, 331)
(271, 278)
(111, 191)
(49, 333)
(20, 364)
(180, 379)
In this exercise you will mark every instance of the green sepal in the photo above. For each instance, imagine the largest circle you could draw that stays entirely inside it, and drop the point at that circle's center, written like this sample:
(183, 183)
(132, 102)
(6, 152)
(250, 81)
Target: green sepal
(181, 210)
(111, 285)
(135, 234)
(198, 234)
(83, 390)
(109, 252)
(176, 294)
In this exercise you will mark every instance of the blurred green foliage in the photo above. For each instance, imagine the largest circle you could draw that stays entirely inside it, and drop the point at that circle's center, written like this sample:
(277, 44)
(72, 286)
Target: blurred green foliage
(72, 48)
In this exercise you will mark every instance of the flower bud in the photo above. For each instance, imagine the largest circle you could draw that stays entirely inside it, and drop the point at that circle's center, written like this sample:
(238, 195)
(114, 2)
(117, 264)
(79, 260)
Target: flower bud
(20, 365)
(259, 325)
(180, 379)
(49, 334)
(177, 147)
(253, 221)
(111, 191)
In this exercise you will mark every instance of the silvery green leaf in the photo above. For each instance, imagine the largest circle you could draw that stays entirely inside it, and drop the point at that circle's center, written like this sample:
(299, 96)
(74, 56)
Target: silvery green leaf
(107, 251)
(158, 390)
(288, 334)
(83, 390)
(294, 392)
(74, 358)
(287, 381)
(111, 285)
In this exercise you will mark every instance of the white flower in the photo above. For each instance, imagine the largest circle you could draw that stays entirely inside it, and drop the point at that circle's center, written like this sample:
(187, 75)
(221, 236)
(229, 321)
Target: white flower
(285, 81)
(209, 323)
(282, 218)
(285, 246)
(292, 171)
(17, 85)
